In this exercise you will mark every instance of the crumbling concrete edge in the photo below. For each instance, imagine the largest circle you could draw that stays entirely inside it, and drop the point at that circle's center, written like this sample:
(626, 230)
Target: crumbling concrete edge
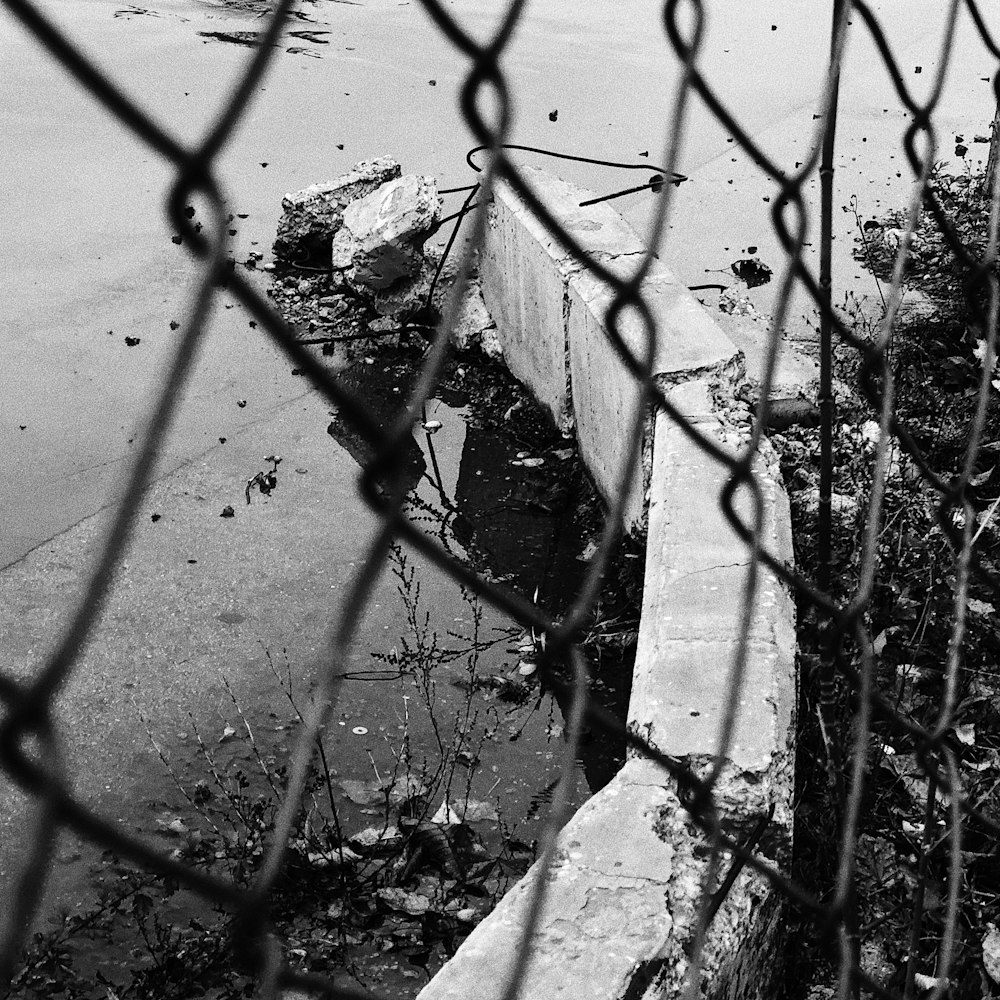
(621, 900)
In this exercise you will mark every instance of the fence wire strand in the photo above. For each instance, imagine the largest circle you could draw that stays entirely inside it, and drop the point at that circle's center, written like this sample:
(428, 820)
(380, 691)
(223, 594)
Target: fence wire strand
(29, 739)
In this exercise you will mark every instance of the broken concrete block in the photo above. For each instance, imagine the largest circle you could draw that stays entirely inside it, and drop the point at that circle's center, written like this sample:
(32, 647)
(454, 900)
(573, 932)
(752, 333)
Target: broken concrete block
(473, 318)
(313, 215)
(381, 240)
(405, 298)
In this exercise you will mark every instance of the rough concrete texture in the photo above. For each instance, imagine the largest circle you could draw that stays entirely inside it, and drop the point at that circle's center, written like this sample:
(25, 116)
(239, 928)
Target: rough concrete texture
(533, 284)
(618, 896)
(605, 393)
(312, 216)
(697, 570)
(406, 298)
(795, 377)
(380, 242)
(793, 373)
(621, 901)
(473, 318)
(620, 911)
(524, 289)
(693, 601)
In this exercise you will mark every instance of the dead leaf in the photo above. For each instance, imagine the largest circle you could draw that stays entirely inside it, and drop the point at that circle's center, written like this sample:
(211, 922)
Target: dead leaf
(362, 793)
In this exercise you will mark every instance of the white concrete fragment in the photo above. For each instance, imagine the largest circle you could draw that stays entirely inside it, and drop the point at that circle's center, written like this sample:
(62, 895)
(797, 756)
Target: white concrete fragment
(381, 240)
(312, 216)
(473, 318)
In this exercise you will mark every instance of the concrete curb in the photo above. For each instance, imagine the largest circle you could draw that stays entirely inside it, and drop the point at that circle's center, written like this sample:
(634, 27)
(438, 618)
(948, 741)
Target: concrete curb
(620, 908)
(532, 285)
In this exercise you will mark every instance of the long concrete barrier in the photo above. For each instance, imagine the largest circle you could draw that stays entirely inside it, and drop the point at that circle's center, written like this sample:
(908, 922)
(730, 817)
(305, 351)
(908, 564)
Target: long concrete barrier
(621, 901)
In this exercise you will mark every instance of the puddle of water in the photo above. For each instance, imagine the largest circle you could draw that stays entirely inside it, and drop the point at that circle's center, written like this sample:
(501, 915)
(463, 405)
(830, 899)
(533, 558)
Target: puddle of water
(476, 489)
(435, 694)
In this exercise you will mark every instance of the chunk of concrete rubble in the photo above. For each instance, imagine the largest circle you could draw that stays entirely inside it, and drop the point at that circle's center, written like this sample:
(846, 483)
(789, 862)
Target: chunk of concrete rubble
(795, 376)
(313, 215)
(406, 298)
(381, 240)
(473, 319)
(492, 346)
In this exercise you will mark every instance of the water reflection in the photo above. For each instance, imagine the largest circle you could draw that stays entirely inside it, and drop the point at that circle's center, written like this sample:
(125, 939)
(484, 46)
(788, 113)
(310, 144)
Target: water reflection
(469, 486)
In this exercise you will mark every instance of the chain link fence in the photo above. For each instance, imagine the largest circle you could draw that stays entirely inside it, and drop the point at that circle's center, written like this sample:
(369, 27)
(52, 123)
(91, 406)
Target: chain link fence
(838, 627)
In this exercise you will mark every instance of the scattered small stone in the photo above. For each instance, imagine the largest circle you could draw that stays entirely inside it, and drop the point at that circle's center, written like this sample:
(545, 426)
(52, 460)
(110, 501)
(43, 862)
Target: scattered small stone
(154, 517)
(241, 403)
(131, 341)
(383, 324)
(174, 325)
(227, 511)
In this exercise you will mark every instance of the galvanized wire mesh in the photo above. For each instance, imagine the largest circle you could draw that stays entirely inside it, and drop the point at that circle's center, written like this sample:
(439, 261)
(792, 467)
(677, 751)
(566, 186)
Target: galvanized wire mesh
(29, 741)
